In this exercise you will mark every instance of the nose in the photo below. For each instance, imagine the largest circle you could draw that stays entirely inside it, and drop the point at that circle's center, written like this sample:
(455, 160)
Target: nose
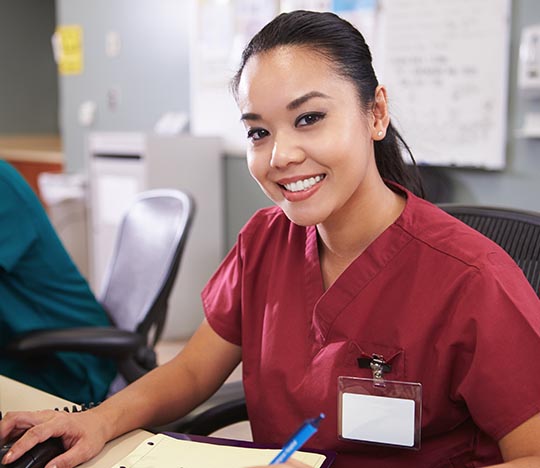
(285, 152)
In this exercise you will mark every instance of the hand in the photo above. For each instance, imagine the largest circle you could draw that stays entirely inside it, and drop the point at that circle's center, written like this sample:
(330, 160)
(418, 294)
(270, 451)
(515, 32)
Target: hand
(83, 434)
(291, 463)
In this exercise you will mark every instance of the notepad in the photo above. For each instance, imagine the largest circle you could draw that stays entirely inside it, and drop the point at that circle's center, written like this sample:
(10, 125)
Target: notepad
(164, 451)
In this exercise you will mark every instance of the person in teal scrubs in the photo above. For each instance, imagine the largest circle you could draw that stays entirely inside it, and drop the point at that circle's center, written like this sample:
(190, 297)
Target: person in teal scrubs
(40, 288)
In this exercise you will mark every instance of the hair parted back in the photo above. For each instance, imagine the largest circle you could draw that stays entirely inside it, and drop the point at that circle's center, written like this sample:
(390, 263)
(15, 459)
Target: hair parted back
(344, 47)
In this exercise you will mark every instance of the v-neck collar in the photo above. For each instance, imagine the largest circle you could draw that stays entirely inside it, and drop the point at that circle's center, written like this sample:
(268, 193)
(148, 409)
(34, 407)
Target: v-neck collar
(326, 306)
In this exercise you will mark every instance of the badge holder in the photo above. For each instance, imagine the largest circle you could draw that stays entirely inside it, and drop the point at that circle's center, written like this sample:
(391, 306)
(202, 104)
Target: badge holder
(379, 411)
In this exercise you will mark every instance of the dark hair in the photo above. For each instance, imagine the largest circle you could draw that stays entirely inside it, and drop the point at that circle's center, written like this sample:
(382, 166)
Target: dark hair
(342, 45)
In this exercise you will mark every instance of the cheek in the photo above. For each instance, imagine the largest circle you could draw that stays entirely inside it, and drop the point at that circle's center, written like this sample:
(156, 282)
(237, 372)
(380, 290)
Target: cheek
(354, 144)
(343, 136)
(256, 166)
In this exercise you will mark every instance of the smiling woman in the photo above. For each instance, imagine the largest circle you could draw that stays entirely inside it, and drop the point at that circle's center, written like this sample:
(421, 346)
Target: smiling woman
(352, 296)
(323, 149)
(293, 138)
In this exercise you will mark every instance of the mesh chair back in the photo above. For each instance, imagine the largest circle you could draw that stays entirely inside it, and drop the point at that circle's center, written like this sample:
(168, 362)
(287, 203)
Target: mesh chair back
(517, 232)
(145, 261)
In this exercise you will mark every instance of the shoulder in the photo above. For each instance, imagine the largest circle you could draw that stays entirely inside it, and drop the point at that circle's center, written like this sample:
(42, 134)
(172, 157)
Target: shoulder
(9, 177)
(13, 186)
(448, 237)
(474, 276)
(469, 259)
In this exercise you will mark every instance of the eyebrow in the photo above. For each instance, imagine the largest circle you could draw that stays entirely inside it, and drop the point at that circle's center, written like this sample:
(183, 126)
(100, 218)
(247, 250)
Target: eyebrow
(294, 104)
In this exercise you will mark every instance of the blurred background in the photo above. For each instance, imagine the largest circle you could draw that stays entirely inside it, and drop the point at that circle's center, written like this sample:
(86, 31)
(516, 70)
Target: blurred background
(102, 99)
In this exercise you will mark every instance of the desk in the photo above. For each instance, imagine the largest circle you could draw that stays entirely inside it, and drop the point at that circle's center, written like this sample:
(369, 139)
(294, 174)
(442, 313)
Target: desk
(32, 154)
(32, 148)
(15, 396)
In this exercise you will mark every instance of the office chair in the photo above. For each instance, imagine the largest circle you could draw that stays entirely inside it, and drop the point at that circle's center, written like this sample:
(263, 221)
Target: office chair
(516, 231)
(227, 406)
(136, 288)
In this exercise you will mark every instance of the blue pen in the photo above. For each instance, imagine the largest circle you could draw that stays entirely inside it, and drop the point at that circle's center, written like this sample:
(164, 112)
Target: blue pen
(299, 438)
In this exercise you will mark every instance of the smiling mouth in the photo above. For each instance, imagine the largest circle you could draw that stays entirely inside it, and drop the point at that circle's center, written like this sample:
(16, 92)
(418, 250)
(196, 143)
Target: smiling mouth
(302, 185)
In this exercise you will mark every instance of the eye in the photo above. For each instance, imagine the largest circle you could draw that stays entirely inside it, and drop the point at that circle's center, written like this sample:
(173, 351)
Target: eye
(309, 119)
(256, 134)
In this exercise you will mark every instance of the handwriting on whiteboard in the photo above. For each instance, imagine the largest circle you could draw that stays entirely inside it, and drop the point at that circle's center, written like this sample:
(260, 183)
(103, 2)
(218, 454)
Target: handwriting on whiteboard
(445, 65)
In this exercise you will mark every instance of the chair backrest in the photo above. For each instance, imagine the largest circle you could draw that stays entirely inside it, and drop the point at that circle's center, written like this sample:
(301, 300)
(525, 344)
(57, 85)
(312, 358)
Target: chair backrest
(516, 231)
(145, 261)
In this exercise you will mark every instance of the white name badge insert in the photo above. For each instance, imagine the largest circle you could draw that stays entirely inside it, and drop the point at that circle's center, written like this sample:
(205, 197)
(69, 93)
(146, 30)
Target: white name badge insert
(381, 412)
(378, 419)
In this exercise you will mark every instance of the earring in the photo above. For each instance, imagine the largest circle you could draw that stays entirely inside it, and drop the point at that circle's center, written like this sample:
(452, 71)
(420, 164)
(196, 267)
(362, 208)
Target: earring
(380, 133)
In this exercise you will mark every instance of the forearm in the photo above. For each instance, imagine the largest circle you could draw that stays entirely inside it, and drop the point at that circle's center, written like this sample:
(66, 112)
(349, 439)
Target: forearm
(175, 388)
(154, 399)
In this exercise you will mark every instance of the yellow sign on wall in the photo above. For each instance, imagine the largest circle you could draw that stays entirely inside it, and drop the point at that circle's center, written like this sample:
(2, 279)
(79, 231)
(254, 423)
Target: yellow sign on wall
(69, 49)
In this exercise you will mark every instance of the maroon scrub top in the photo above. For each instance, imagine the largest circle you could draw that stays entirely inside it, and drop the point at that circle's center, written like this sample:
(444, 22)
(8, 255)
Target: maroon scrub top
(445, 306)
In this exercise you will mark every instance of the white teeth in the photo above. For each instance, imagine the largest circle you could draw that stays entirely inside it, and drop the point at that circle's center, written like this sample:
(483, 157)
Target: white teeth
(305, 184)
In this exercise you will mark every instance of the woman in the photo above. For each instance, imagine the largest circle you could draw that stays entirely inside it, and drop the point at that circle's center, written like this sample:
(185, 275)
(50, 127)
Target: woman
(350, 274)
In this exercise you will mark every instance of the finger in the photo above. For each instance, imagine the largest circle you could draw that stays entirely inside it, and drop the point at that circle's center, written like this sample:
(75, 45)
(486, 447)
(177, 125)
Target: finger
(22, 445)
(72, 457)
(68, 459)
(292, 463)
(15, 423)
(31, 437)
(26, 419)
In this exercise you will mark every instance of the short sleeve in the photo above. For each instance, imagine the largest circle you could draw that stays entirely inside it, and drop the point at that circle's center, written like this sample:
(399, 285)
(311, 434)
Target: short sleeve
(222, 298)
(500, 333)
(18, 231)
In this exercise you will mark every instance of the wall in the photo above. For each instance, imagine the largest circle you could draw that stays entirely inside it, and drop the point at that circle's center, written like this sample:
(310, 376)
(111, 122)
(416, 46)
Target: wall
(28, 83)
(153, 78)
(148, 78)
(243, 197)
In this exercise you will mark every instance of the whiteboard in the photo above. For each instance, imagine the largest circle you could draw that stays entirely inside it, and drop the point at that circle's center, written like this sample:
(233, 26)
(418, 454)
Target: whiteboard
(445, 65)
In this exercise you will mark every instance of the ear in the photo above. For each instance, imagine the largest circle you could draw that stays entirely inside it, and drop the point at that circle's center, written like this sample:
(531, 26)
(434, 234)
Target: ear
(381, 119)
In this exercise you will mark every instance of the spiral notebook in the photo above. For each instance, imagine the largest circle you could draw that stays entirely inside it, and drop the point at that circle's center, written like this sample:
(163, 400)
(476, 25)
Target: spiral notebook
(165, 451)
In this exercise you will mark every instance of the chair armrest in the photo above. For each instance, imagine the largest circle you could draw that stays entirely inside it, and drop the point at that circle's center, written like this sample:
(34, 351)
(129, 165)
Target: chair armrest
(218, 417)
(227, 406)
(102, 341)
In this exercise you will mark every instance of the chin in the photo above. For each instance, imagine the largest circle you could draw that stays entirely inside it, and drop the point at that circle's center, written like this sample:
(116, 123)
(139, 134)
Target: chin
(303, 217)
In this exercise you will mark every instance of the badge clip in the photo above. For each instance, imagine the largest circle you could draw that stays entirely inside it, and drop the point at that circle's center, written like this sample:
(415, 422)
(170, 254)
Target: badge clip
(378, 367)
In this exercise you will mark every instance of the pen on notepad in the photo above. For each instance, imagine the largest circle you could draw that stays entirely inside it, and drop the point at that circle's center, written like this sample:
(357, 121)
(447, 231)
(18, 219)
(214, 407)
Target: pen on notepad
(299, 438)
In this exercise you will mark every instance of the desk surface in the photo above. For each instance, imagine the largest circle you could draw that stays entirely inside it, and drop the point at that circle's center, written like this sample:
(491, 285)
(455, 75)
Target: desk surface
(31, 148)
(15, 396)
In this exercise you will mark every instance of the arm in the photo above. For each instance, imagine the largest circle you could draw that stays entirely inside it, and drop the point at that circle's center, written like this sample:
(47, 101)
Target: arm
(166, 393)
(175, 388)
(521, 447)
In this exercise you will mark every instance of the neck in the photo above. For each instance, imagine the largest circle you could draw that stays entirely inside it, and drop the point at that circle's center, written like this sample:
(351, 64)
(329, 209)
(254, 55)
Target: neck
(344, 238)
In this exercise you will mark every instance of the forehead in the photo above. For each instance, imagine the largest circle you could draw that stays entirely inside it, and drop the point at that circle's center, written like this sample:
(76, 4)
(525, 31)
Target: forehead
(286, 73)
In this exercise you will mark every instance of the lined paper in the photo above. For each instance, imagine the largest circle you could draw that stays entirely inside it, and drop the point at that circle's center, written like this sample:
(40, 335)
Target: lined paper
(167, 452)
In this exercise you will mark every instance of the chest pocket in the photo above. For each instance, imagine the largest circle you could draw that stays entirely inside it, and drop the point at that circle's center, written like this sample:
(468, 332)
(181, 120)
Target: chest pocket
(358, 355)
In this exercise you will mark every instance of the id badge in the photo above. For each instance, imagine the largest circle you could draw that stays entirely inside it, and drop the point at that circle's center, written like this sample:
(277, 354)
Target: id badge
(382, 412)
